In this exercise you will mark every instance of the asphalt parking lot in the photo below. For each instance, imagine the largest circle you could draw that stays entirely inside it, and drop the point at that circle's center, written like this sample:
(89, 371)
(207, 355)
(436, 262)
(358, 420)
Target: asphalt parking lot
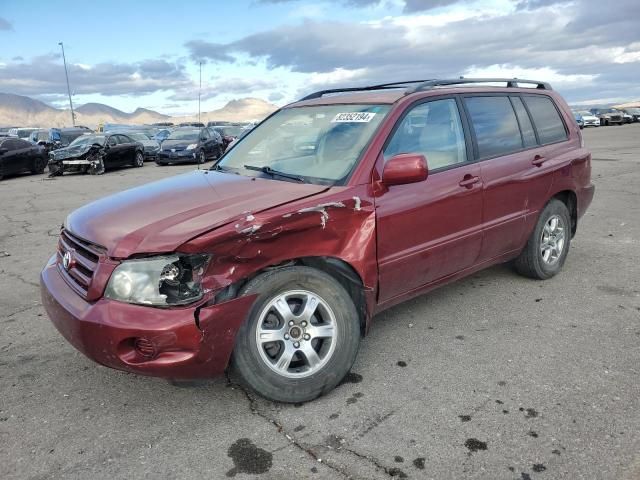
(492, 377)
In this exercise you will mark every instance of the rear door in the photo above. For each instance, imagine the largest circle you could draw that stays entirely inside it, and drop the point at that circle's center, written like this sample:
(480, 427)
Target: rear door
(429, 230)
(507, 146)
(112, 155)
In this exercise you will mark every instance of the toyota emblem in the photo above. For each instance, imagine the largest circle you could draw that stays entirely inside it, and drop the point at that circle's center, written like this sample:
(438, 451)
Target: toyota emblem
(66, 260)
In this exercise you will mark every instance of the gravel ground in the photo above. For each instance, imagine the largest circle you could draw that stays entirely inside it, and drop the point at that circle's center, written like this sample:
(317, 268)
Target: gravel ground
(495, 376)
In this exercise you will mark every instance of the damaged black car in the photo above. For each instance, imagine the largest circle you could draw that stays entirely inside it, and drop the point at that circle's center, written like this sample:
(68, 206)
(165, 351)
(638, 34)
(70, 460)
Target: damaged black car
(94, 154)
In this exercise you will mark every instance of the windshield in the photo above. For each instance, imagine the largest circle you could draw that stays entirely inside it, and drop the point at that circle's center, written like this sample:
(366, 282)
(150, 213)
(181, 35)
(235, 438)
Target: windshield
(184, 135)
(88, 140)
(40, 136)
(230, 131)
(586, 114)
(633, 111)
(320, 143)
(141, 137)
(25, 132)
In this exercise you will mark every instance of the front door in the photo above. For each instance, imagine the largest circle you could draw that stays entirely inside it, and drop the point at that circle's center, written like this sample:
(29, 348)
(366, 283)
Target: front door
(432, 229)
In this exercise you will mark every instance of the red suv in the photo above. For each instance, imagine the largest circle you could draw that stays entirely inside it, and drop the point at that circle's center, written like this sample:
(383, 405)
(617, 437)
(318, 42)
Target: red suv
(332, 209)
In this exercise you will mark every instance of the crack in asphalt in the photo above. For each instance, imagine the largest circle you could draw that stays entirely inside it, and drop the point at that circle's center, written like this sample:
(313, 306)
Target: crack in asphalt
(20, 278)
(20, 310)
(281, 430)
(373, 461)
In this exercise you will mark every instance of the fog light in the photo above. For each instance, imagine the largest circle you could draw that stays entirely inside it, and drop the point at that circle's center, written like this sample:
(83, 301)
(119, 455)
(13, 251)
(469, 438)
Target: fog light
(145, 347)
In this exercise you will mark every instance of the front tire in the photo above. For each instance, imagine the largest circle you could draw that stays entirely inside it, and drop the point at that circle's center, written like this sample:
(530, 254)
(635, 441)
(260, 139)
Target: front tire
(548, 246)
(300, 338)
(202, 157)
(139, 160)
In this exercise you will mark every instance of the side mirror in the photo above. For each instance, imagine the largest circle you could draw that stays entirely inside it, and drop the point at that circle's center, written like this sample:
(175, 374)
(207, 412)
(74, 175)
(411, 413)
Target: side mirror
(405, 168)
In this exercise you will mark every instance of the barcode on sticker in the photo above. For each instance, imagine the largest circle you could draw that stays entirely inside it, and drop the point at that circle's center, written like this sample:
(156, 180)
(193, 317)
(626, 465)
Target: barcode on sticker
(364, 117)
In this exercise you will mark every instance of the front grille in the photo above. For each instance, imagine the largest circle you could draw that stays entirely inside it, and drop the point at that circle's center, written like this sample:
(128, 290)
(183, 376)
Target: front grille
(615, 118)
(84, 257)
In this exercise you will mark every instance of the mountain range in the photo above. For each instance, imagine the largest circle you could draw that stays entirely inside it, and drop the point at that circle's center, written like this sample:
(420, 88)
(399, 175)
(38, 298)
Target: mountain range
(18, 110)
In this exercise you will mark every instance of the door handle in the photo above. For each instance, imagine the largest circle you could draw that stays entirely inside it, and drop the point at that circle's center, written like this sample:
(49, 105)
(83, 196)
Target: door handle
(538, 160)
(468, 181)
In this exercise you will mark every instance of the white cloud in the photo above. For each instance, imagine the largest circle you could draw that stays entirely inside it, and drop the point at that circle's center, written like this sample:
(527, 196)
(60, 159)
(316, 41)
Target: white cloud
(544, 73)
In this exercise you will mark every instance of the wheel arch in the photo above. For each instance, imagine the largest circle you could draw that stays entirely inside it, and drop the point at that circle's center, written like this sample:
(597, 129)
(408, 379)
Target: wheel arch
(340, 270)
(570, 199)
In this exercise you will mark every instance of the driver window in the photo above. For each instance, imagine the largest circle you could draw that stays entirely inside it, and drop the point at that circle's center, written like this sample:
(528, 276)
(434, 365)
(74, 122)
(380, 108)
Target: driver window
(433, 129)
(112, 141)
(205, 134)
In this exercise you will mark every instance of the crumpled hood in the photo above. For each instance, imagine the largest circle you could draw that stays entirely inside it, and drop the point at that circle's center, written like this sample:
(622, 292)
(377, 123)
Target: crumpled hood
(160, 216)
(70, 152)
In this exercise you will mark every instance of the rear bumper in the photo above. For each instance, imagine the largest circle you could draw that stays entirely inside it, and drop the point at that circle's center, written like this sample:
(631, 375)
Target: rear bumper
(107, 331)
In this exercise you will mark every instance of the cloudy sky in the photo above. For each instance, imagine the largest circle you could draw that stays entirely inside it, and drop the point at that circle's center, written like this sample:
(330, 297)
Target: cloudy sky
(147, 53)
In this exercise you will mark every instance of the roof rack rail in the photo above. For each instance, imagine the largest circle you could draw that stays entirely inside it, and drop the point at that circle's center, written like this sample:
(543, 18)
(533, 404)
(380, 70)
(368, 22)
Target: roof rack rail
(382, 86)
(511, 83)
(427, 85)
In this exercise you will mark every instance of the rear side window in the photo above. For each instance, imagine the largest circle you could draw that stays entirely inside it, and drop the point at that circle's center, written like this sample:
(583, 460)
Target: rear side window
(546, 119)
(528, 135)
(495, 125)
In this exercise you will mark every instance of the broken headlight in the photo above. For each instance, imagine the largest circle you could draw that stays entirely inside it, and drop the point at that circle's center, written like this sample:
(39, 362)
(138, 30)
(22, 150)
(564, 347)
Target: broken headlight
(160, 281)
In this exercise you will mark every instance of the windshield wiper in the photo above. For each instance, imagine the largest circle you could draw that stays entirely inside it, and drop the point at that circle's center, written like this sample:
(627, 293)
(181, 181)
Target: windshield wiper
(270, 171)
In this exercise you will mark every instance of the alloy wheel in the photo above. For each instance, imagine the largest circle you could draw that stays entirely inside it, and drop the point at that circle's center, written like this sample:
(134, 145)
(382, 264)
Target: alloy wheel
(296, 333)
(552, 239)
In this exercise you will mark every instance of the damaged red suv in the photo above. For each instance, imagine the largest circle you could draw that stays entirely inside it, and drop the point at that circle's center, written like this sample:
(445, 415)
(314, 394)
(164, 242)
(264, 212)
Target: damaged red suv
(334, 208)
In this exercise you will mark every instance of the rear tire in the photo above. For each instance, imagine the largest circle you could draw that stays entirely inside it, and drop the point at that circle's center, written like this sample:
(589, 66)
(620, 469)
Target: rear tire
(548, 246)
(300, 338)
(139, 160)
(202, 157)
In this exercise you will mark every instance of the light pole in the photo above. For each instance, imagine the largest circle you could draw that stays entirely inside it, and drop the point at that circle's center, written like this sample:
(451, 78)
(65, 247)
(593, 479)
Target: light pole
(199, 92)
(66, 74)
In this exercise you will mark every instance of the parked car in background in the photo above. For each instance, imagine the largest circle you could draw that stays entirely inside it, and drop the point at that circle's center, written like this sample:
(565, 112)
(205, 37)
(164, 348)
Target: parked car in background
(54, 138)
(626, 118)
(229, 133)
(95, 153)
(578, 118)
(608, 116)
(21, 132)
(162, 134)
(188, 144)
(162, 124)
(634, 113)
(587, 118)
(191, 124)
(4, 131)
(151, 146)
(244, 132)
(218, 123)
(18, 155)
(275, 261)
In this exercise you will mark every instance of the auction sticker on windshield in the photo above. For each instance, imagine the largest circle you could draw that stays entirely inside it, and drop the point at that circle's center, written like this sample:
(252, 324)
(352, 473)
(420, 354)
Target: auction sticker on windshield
(363, 117)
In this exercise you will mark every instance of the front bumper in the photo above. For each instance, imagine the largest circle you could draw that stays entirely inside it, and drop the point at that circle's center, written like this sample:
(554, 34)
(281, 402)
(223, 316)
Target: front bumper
(109, 332)
(182, 156)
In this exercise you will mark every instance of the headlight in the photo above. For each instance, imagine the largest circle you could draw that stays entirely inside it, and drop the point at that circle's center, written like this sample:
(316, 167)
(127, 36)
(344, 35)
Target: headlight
(159, 281)
(192, 146)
